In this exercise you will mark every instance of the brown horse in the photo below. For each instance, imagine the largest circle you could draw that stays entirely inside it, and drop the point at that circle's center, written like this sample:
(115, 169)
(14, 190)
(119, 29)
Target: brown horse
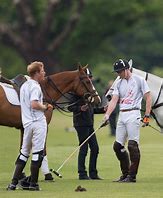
(53, 87)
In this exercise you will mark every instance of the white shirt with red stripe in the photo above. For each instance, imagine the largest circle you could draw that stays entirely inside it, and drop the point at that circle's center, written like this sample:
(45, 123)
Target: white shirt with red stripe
(131, 92)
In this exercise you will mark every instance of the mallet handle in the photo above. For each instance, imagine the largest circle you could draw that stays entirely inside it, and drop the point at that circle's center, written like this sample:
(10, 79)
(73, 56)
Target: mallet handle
(78, 148)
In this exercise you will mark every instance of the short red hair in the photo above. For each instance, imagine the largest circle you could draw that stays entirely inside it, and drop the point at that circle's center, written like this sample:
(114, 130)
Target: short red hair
(34, 67)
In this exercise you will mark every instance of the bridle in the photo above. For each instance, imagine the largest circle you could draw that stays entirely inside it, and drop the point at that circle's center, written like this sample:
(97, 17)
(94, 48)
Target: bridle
(88, 96)
(156, 103)
(50, 100)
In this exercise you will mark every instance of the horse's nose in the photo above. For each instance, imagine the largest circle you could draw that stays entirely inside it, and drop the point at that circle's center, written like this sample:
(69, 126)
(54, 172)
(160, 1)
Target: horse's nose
(97, 99)
(88, 97)
(92, 99)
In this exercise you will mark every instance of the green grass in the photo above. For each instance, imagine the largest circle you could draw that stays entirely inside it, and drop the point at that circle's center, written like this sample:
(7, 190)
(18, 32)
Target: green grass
(61, 144)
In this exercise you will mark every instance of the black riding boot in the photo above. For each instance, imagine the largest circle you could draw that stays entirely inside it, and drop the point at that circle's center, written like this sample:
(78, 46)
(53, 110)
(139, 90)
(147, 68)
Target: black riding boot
(123, 158)
(124, 164)
(134, 158)
(18, 171)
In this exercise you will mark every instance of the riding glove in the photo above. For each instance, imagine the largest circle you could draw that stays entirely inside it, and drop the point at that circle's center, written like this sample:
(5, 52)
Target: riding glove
(145, 120)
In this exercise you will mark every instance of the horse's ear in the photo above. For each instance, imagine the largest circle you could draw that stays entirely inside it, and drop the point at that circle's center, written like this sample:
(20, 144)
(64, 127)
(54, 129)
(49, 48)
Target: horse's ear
(130, 63)
(79, 66)
(85, 67)
(82, 68)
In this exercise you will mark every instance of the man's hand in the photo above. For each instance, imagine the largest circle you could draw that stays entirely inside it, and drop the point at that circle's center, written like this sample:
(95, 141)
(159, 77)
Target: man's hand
(105, 108)
(105, 120)
(84, 107)
(145, 120)
(49, 107)
(106, 117)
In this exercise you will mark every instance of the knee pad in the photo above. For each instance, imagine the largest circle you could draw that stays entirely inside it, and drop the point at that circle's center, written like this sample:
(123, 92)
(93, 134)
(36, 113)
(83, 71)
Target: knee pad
(21, 159)
(133, 150)
(118, 147)
(120, 151)
(37, 158)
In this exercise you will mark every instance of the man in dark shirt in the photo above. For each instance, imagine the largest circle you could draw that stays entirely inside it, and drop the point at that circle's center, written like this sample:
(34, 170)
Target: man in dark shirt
(83, 121)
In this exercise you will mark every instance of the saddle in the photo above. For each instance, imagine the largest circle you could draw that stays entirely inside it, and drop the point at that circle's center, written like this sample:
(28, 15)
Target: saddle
(15, 82)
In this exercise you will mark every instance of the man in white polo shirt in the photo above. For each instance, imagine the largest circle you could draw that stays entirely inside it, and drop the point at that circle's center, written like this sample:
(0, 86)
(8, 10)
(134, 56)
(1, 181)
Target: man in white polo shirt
(35, 125)
(128, 92)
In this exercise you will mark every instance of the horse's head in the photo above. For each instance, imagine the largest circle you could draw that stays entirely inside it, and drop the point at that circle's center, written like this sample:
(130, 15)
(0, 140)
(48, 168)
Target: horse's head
(78, 82)
(83, 86)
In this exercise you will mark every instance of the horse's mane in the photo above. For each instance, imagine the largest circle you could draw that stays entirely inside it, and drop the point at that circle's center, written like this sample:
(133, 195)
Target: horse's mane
(65, 72)
(144, 74)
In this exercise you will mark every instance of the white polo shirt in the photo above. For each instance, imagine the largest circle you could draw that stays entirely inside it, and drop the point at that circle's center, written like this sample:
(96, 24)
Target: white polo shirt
(131, 91)
(29, 92)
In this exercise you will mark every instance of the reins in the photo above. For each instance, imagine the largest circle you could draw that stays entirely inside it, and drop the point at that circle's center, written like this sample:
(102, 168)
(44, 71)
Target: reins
(156, 104)
(55, 104)
(53, 85)
(85, 85)
(63, 106)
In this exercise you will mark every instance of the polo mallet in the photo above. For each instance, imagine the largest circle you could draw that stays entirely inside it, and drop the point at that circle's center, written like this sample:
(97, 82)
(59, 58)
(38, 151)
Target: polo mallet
(69, 157)
(152, 127)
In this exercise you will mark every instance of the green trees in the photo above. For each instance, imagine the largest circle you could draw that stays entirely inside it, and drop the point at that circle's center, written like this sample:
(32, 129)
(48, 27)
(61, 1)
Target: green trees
(33, 30)
(63, 32)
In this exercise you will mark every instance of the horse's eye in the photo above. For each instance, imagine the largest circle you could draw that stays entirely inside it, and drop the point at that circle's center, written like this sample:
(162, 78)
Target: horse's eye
(87, 81)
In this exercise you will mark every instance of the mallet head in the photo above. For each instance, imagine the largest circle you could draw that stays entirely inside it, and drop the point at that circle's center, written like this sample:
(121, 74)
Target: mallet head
(56, 173)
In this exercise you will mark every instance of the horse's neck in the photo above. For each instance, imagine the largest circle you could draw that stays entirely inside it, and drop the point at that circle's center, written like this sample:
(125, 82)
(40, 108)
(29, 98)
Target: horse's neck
(154, 82)
(64, 80)
(59, 84)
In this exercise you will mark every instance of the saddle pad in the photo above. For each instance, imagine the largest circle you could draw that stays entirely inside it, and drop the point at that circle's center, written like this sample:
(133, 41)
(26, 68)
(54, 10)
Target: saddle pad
(11, 94)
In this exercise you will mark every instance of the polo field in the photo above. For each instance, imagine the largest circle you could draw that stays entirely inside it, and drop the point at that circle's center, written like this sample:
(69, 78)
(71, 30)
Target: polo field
(62, 141)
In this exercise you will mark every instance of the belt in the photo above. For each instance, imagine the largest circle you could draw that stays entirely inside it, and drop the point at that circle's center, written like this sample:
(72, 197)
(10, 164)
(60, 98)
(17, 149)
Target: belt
(124, 110)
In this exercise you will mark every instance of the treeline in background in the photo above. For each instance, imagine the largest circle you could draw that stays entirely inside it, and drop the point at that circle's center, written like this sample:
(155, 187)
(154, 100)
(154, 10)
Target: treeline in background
(62, 33)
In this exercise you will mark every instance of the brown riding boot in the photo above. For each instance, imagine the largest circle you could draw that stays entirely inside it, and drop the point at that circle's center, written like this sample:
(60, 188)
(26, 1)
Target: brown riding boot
(135, 159)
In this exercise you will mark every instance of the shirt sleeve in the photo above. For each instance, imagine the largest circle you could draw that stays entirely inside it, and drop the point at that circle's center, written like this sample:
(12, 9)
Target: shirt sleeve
(116, 90)
(35, 93)
(144, 87)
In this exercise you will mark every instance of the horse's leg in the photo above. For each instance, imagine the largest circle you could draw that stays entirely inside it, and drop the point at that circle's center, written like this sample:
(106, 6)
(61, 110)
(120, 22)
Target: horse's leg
(44, 166)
